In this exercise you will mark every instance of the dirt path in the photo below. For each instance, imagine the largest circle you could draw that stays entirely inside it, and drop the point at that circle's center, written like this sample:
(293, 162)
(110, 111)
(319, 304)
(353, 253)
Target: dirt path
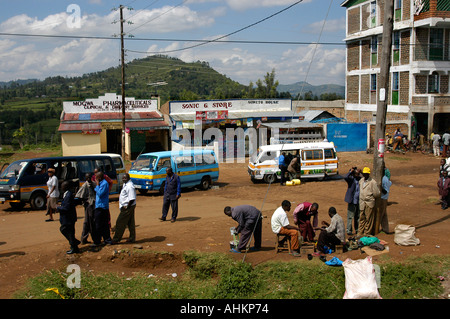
(29, 245)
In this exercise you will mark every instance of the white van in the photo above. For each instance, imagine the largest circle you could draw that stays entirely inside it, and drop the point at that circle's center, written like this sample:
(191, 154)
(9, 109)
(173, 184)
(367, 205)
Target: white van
(317, 160)
(118, 164)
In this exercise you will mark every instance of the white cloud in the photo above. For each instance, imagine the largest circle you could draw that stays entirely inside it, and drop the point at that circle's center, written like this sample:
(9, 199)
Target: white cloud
(337, 25)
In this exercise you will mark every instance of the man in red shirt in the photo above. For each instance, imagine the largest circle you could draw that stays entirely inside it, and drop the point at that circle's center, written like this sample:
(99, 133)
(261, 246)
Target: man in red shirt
(302, 218)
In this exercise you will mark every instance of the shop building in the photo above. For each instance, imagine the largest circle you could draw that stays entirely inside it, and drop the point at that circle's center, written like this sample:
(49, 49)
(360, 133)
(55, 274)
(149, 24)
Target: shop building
(94, 126)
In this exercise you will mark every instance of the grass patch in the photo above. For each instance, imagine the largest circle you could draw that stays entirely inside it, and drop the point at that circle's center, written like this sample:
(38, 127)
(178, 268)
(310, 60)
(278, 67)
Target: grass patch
(216, 275)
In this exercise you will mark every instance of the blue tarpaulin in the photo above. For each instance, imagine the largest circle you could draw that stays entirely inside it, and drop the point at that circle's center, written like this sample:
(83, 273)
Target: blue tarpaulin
(348, 137)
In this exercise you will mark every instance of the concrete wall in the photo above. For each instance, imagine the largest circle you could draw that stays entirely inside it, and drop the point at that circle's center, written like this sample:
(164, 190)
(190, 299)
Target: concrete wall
(80, 144)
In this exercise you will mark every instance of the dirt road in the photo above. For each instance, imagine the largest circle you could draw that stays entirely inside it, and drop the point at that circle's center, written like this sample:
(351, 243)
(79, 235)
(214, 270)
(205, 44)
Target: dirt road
(29, 245)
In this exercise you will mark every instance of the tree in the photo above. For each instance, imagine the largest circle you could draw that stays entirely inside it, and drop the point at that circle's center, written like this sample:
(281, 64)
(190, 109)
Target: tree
(268, 87)
(20, 135)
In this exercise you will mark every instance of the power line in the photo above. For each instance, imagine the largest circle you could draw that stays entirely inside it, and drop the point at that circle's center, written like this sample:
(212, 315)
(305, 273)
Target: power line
(172, 8)
(234, 32)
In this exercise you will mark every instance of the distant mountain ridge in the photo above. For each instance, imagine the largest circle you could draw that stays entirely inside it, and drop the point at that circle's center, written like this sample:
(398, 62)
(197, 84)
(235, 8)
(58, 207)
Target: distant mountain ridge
(305, 87)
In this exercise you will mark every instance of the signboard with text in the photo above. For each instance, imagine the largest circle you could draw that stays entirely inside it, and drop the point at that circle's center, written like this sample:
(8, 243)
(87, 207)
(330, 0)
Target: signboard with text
(192, 107)
(110, 102)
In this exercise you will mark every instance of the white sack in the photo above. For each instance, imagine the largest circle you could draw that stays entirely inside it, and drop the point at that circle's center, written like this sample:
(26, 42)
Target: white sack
(360, 279)
(405, 235)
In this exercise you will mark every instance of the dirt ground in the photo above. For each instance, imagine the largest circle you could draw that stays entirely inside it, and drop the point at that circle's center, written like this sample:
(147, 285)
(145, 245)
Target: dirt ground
(30, 246)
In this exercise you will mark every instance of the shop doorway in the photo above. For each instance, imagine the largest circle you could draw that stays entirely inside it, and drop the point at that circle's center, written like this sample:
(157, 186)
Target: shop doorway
(422, 123)
(114, 141)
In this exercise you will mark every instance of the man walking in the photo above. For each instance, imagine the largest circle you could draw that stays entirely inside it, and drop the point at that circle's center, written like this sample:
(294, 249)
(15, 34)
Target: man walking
(101, 213)
(127, 205)
(67, 218)
(172, 192)
(280, 225)
(249, 220)
(352, 199)
(368, 192)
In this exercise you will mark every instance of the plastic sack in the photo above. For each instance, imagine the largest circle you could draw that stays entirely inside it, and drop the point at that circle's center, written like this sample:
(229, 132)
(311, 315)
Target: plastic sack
(405, 235)
(360, 279)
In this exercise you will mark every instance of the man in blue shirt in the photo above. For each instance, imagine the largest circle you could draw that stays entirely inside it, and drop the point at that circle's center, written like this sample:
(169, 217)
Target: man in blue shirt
(101, 213)
(385, 187)
(283, 167)
(172, 191)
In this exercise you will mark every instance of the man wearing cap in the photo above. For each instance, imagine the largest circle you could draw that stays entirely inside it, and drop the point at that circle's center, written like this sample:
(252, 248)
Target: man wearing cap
(368, 192)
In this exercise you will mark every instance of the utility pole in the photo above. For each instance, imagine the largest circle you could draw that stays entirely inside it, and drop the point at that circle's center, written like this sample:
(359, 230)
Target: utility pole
(122, 54)
(383, 92)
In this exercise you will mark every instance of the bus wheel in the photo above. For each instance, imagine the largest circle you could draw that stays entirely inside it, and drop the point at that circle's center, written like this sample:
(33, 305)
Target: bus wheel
(38, 201)
(205, 183)
(143, 191)
(270, 178)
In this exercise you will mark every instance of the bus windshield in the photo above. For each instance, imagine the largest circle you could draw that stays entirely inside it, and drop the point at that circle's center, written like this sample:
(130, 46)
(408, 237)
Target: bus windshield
(144, 163)
(13, 170)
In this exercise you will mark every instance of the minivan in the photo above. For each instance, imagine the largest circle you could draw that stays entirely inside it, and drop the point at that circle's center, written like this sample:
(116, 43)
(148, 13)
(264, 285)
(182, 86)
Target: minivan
(318, 159)
(196, 167)
(25, 181)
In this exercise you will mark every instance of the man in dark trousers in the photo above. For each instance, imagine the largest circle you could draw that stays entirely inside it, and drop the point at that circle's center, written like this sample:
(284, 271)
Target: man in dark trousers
(172, 191)
(101, 212)
(352, 198)
(67, 218)
(249, 220)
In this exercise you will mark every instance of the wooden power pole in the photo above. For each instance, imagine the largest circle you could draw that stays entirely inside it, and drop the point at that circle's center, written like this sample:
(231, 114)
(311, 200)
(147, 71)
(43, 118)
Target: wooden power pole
(383, 92)
(123, 80)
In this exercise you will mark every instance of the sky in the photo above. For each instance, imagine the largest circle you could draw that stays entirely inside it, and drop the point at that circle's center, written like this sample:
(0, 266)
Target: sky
(90, 41)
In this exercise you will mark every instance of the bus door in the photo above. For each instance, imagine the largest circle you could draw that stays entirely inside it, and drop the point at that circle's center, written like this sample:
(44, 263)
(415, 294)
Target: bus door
(185, 168)
(159, 171)
(313, 163)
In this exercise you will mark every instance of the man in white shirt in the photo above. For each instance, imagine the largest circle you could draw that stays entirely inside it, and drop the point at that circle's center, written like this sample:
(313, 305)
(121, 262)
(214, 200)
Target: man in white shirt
(127, 205)
(280, 225)
(446, 142)
(436, 139)
(333, 234)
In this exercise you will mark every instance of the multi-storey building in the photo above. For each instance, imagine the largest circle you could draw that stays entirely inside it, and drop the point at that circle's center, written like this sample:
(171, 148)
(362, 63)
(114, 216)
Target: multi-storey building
(418, 95)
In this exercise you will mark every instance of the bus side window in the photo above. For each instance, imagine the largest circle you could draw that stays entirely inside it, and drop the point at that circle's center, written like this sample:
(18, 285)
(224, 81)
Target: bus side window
(329, 153)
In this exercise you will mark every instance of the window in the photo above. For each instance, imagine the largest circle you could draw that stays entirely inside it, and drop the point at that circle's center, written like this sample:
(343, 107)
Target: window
(373, 82)
(396, 46)
(86, 167)
(267, 156)
(373, 14)
(184, 161)
(374, 50)
(398, 10)
(163, 163)
(395, 87)
(433, 83)
(312, 155)
(436, 51)
(329, 153)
